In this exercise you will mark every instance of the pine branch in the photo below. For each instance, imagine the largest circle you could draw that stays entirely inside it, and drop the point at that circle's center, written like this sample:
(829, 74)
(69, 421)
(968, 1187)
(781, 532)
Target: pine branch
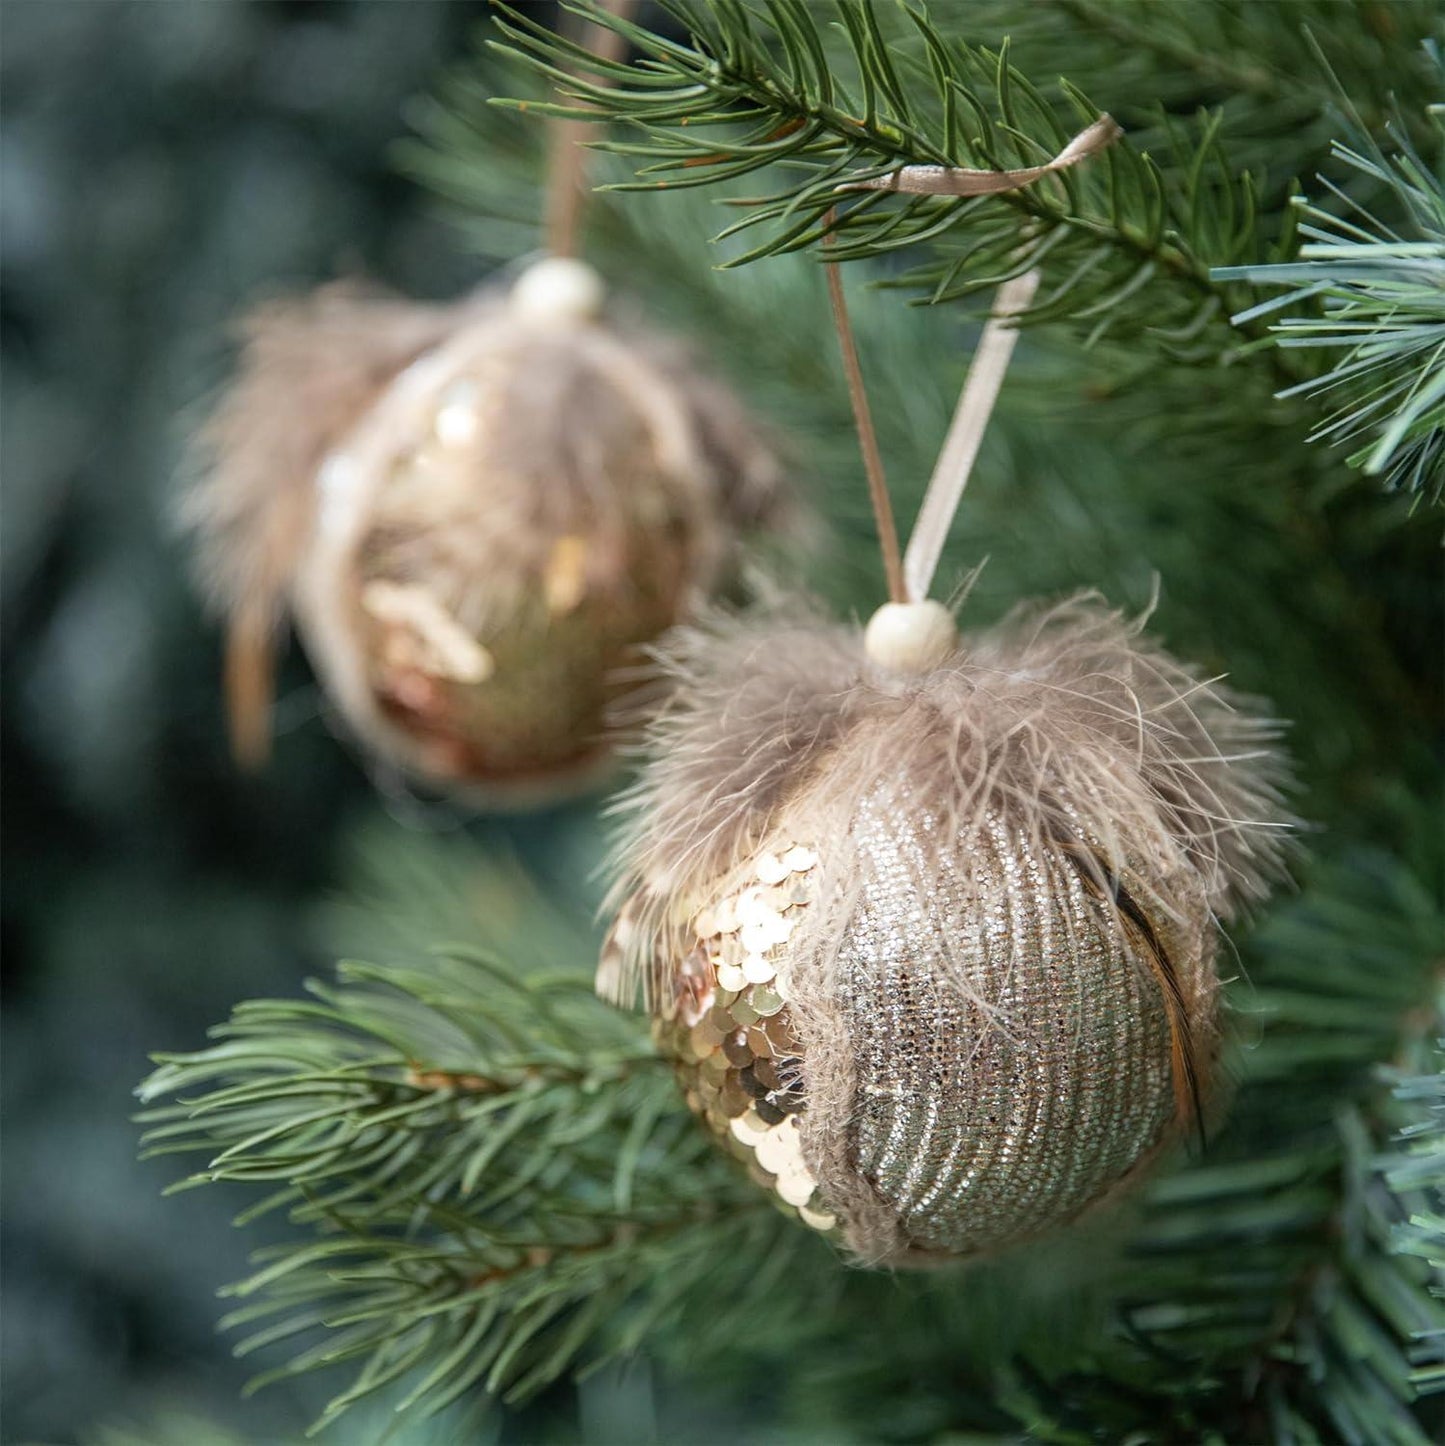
(1356, 1331)
(490, 1174)
(1259, 66)
(1261, 60)
(758, 87)
(1177, 42)
(1374, 296)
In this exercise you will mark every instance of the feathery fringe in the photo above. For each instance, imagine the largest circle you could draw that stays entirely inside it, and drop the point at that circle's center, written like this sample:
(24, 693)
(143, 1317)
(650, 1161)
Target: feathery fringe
(308, 369)
(1063, 720)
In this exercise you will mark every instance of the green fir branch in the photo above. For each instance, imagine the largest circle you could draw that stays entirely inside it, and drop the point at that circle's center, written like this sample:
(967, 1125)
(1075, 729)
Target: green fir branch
(483, 1170)
(490, 1177)
(1260, 63)
(1126, 239)
(1354, 1334)
(1372, 295)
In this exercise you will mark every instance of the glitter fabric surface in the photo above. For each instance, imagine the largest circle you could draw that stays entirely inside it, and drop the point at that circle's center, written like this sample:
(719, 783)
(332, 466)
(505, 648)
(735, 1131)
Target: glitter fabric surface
(725, 1022)
(1012, 1058)
(1009, 1055)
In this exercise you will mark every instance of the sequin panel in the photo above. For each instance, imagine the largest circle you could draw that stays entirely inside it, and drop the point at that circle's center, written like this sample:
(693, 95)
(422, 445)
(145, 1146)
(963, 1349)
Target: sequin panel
(1012, 1057)
(727, 1025)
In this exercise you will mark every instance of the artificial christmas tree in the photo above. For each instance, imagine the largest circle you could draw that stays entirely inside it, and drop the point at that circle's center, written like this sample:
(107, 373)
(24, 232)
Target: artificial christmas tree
(490, 1177)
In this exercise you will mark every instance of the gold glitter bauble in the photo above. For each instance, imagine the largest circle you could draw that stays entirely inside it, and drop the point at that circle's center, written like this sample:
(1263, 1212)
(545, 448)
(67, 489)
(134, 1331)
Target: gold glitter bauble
(486, 524)
(478, 581)
(934, 1009)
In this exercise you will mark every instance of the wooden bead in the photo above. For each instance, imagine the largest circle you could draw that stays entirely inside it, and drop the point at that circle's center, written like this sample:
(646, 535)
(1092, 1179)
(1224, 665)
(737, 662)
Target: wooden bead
(910, 638)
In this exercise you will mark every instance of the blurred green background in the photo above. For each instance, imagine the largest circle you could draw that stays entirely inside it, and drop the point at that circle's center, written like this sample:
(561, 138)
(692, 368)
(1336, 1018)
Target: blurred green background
(164, 161)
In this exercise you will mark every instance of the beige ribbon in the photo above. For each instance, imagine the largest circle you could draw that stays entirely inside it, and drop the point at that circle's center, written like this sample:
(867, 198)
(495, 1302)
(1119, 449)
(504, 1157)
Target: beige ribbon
(990, 359)
(965, 433)
(958, 181)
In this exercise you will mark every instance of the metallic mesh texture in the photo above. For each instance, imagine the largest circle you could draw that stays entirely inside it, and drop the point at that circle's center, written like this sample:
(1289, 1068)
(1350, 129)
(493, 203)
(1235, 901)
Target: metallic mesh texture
(1006, 1057)
(1012, 1058)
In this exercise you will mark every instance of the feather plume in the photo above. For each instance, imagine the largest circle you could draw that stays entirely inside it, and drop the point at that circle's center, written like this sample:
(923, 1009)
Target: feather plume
(308, 369)
(1063, 719)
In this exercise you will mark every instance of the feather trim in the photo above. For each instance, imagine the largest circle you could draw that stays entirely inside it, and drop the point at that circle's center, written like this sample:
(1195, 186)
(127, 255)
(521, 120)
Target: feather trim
(1063, 721)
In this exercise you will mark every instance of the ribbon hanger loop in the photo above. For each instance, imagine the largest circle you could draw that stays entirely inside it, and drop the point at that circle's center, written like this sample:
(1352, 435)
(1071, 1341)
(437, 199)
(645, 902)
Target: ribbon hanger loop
(965, 433)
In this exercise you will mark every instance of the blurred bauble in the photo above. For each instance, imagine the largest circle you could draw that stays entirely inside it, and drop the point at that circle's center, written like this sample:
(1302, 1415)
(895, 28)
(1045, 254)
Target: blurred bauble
(476, 513)
(934, 952)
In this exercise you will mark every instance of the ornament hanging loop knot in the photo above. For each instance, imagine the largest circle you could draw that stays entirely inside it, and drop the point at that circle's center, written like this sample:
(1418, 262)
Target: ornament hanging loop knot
(962, 181)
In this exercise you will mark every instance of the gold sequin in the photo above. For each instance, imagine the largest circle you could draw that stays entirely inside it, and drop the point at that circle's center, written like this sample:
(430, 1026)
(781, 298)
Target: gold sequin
(758, 969)
(766, 999)
(726, 1025)
(564, 579)
(732, 978)
(818, 1219)
(457, 422)
(771, 869)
